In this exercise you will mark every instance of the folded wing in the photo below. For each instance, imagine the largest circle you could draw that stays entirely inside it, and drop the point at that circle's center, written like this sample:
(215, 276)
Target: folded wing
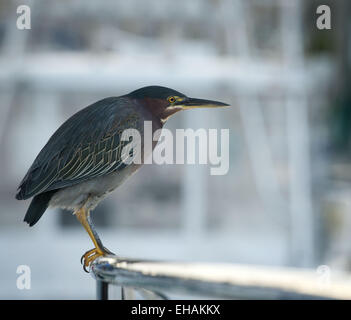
(86, 146)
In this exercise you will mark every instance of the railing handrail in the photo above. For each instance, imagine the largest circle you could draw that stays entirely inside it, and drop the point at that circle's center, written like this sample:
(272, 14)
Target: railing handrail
(221, 280)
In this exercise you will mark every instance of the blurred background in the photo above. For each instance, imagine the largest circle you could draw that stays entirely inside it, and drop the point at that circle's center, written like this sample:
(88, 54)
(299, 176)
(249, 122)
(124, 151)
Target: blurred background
(286, 198)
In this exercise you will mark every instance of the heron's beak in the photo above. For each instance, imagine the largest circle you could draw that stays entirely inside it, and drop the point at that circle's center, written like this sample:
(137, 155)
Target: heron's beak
(191, 103)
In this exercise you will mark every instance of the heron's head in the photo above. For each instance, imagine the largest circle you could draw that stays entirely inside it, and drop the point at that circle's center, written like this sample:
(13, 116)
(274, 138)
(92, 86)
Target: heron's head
(164, 102)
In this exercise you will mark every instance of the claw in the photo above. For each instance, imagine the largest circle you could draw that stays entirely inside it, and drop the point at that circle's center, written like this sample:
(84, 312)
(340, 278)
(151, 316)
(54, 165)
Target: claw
(88, 253)
(85, 269)
(91, 255)
(89, 259)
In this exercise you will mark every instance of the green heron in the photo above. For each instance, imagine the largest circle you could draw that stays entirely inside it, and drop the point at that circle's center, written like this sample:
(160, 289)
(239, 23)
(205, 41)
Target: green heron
(82, 163)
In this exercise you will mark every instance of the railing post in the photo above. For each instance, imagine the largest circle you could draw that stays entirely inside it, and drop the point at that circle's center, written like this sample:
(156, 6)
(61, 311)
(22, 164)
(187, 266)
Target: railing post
(101, 290)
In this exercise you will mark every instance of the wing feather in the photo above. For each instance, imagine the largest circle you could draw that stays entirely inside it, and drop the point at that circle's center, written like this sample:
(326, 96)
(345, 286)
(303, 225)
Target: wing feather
(86, 146)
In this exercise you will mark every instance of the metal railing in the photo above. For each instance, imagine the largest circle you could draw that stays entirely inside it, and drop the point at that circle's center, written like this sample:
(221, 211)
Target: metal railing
(227, 281)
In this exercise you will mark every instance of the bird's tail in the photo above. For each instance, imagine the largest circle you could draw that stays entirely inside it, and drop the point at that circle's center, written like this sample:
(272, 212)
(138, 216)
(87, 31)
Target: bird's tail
(37, 207)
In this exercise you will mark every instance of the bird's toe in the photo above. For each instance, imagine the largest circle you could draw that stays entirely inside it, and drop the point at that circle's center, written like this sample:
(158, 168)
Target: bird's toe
(91, 255)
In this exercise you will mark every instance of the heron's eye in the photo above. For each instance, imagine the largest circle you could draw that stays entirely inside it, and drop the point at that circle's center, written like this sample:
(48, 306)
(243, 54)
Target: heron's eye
(171, 99)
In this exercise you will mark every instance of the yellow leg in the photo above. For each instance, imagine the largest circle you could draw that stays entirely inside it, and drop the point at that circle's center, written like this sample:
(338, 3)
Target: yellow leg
(83, 217)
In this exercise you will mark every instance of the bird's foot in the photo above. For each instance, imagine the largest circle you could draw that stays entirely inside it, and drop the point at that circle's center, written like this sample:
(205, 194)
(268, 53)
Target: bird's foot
(91, 255)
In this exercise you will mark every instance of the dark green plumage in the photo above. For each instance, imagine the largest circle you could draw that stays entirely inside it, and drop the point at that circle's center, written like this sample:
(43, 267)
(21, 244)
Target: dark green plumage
(87, 145)
(155, 92)
(37, 207)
